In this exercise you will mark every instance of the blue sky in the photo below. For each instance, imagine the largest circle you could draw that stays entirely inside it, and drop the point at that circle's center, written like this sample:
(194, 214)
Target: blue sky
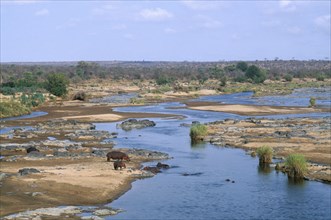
(36, 30)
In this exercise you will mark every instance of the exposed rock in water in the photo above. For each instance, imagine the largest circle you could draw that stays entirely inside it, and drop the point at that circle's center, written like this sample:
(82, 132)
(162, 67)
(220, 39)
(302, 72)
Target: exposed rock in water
(135, 124)
(46, 212)
(154, 170)
(147, 154)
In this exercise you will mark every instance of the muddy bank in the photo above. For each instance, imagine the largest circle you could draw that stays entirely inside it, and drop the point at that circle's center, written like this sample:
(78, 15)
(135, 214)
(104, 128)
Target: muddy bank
(307, 136)
(63, 162)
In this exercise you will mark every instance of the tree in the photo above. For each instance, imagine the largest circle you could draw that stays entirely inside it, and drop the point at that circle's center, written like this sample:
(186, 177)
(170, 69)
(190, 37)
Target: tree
(256, 74)
(57, 84)
(242, 66)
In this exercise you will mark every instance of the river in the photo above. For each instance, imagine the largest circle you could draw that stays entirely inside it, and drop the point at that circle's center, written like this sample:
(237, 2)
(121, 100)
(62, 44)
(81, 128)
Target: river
(196, 187)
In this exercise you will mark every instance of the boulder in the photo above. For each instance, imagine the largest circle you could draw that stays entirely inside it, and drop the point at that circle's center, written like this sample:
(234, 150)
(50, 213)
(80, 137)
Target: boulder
(26, 171)
(136, 124)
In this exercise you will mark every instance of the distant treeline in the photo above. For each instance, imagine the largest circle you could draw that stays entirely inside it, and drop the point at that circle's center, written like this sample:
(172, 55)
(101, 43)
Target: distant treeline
(166, 71)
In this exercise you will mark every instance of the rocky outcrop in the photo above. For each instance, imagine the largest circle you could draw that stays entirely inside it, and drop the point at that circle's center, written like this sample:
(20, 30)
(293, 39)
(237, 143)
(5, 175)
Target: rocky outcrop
(307, 136)
(135, 124)
(26, 171)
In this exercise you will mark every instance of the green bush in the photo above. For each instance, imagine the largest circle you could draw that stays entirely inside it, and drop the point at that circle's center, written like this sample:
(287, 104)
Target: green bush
(242, 66)
(32, 100)
(288, 78)
(197, 132)
(296, 165)
(57, 84)
(12, 109)
(265, 154)
(312, 102)
(256, 74)
(320, 77)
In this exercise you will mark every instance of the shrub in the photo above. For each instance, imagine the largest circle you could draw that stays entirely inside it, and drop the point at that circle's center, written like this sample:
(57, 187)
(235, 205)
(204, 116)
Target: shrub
(296, 165)
(57, 84)
(265, 154)
(256, 74)
(32, 100)
(12, 109)
(288, 78)
(312, 102)
(320, 77)
(242, 66)
(197, 132)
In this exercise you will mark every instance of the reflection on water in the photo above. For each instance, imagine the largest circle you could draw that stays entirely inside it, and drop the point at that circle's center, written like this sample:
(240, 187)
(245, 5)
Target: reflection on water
(264, 169)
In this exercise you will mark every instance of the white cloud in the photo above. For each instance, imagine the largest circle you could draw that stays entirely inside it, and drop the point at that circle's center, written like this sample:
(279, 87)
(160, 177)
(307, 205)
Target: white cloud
(42, 12)
(202, 5)
(287, 5)
(323, 22)
(155, 14)
(170, 30)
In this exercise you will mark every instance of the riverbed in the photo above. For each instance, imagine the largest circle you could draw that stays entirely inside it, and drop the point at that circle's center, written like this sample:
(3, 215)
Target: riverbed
(209, 182)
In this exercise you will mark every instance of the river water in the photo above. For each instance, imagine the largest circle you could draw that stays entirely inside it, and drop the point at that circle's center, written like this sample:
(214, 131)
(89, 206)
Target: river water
(196, 187)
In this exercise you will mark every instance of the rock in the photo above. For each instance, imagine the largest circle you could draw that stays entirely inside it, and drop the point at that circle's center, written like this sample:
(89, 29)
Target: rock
(154, 170)
(26, 171)
(37, 194)
(135, 124)
(92, 218)
(253, 154)
(81, 96)
(103, 212)
(99, 153)
(228, 180)
(31, 149)
(35, 154)
(2, 176)
(192, 174)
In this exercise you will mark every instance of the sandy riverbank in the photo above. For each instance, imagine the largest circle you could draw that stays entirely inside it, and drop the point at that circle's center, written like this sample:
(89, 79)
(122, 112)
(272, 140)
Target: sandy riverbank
(251, 110)
(82, 181)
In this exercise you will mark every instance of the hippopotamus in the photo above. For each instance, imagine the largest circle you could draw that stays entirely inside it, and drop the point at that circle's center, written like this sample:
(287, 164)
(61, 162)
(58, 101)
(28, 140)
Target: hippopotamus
(162, 165)
(30, 149)
(119, 164)
(117, 155)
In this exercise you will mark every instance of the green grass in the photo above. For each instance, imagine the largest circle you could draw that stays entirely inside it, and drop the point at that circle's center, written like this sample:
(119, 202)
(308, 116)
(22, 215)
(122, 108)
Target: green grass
(197, 132)
(12, 109)
(296, 165)
(265, 154)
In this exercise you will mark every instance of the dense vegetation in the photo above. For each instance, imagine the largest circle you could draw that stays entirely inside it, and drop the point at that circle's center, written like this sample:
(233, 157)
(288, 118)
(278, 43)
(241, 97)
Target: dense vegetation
(166, 72)
(296, 165)
(9, 109)
(197, 132)
(265, 154)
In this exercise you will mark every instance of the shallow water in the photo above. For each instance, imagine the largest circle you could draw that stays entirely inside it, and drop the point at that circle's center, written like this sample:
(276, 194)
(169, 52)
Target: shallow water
(32, 115)
(299, 97)
(196, 186)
